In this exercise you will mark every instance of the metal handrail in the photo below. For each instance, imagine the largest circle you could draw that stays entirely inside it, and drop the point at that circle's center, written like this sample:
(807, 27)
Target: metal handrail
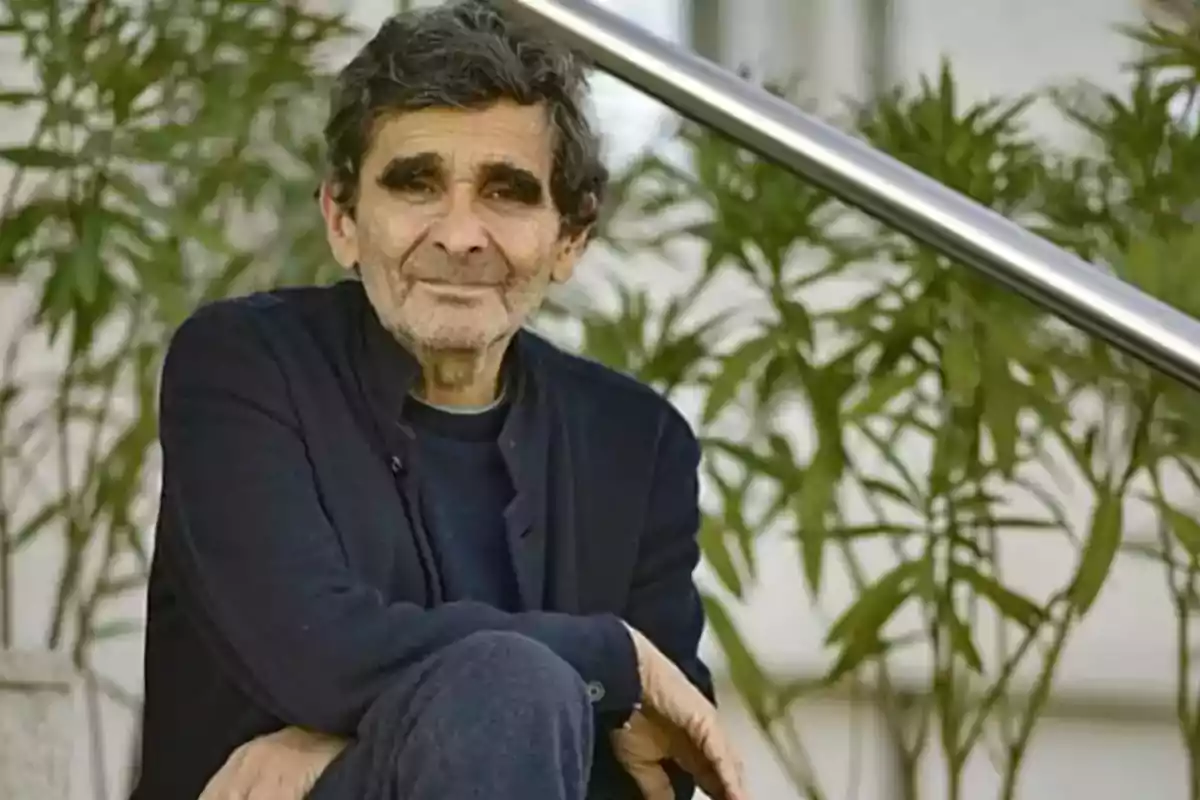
(1081, 293)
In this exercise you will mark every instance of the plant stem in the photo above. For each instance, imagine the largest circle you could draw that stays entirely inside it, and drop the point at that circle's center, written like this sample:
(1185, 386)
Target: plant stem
(910, 784)
(1181, 587)
(890, 700)
(1019, 748)
(787, 746)
(73, 561)
(998, 691)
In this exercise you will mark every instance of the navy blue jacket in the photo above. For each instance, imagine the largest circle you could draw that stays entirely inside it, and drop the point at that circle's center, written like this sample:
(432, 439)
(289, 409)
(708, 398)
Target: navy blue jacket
(290, 583)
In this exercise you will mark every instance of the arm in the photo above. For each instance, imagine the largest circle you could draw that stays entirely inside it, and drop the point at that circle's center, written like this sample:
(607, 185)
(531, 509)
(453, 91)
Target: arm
(664, 603)
(259, 565)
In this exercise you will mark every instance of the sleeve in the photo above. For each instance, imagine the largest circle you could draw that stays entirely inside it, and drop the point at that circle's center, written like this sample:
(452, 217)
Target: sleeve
(664, 603)
(259, 566)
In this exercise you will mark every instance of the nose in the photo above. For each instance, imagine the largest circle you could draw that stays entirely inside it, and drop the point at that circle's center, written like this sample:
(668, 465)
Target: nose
(459, 233)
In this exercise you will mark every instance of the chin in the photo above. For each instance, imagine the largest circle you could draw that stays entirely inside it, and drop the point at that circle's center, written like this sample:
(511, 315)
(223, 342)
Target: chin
(447, 326)
(461, 336)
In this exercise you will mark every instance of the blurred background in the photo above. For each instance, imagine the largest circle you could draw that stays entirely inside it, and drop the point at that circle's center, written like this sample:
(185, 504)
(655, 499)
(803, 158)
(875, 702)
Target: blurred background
(952, 547)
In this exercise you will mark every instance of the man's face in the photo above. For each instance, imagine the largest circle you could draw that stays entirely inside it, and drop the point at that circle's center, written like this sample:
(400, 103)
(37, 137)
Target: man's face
(455, 233)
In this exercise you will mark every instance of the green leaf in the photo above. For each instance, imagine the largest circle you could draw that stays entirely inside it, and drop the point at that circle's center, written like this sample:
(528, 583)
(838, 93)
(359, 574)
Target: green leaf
(736, 368)
(115, 628)
(747, 676)
(960, 362)
(112, 587)
(86, 260)
(1001, 405)
(882, 391)
(962, 643)
(1007, 602)
(21, 227)
(865, 531)
(790, 692)
(714, 544)
(733, 499)
(1186, 530)
(39, 522)
(795, 322)
(949, 453)
(874, 606)
(37, 157)
(812, 508)
(1099, 551)
(855, 653)
(1009, 523)
(889, 490)
(786, 472)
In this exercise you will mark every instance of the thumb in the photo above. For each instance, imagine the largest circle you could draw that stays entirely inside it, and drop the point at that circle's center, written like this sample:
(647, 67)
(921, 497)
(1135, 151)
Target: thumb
(653, 781)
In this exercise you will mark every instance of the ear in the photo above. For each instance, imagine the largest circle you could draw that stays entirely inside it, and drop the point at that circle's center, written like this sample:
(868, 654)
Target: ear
(340, 229)
(567, 255)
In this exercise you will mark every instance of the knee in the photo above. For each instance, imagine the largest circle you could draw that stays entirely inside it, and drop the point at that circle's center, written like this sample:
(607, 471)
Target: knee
(515, 669)
(500, 711)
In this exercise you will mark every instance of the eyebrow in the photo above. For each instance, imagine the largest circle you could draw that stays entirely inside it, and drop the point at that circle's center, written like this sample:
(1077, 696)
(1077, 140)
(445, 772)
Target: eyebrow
(404, 171)
(524, 185)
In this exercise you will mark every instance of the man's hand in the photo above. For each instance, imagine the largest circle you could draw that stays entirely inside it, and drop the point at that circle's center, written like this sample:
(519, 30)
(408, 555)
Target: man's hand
(283, 765)
(646, 742)
(676, 722)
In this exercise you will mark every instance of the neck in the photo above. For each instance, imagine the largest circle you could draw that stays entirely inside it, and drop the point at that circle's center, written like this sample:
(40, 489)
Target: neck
(463, 378)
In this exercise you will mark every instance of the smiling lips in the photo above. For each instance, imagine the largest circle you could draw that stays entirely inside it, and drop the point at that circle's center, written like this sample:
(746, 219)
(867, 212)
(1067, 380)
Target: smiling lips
(459, 292)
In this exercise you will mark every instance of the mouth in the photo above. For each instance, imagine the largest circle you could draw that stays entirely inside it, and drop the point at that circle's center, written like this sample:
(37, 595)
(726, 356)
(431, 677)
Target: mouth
(458, 291)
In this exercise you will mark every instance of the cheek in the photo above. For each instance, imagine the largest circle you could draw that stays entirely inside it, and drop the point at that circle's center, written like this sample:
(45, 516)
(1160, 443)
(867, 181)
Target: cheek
(390, 234)
(529, 247)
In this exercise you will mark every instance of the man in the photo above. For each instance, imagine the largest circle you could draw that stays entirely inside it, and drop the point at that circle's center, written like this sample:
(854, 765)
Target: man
(406, 549)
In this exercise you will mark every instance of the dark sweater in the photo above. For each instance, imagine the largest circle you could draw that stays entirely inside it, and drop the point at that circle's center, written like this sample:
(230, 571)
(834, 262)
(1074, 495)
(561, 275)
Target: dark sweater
(464, 491)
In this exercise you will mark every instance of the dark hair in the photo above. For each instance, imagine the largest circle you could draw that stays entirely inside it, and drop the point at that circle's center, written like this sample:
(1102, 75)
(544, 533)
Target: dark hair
(467, 54)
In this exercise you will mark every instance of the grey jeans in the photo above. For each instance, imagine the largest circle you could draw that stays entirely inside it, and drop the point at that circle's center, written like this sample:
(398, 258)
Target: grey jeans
(496, 715)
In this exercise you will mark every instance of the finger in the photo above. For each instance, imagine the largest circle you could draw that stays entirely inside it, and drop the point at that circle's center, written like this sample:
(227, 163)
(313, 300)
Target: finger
(652, 780)
(728, 774)
(679, 703)
(715, 764)
(708, 779)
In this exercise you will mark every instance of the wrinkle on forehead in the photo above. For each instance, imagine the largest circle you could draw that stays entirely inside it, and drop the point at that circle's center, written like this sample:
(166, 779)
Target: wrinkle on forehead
(504, 132)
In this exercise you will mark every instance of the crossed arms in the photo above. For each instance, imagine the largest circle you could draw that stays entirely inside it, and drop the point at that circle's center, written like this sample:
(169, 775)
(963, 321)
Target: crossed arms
(264, 576)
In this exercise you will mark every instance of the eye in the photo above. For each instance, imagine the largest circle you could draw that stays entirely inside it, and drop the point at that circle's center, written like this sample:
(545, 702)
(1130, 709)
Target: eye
(411, 181)
(499, 192)
(419, 186)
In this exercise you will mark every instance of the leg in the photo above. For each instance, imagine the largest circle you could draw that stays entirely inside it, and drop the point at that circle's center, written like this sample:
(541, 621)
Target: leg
(496, 715)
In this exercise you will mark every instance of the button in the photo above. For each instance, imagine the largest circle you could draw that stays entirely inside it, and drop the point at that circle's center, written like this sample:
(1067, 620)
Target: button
(595, 691)
(396, 465)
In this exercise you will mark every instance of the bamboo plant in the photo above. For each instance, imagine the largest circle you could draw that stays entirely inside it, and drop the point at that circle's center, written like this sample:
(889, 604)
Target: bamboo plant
(916, 410)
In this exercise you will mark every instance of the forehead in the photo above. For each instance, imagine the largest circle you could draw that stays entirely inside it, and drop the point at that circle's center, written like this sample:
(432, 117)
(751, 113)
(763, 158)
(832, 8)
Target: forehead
(504, 132)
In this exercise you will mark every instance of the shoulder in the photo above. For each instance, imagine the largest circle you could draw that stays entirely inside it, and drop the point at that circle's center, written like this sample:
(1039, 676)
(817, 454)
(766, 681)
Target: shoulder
(304, 306)
(252, 339)
(257, 320)
(611, 401)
